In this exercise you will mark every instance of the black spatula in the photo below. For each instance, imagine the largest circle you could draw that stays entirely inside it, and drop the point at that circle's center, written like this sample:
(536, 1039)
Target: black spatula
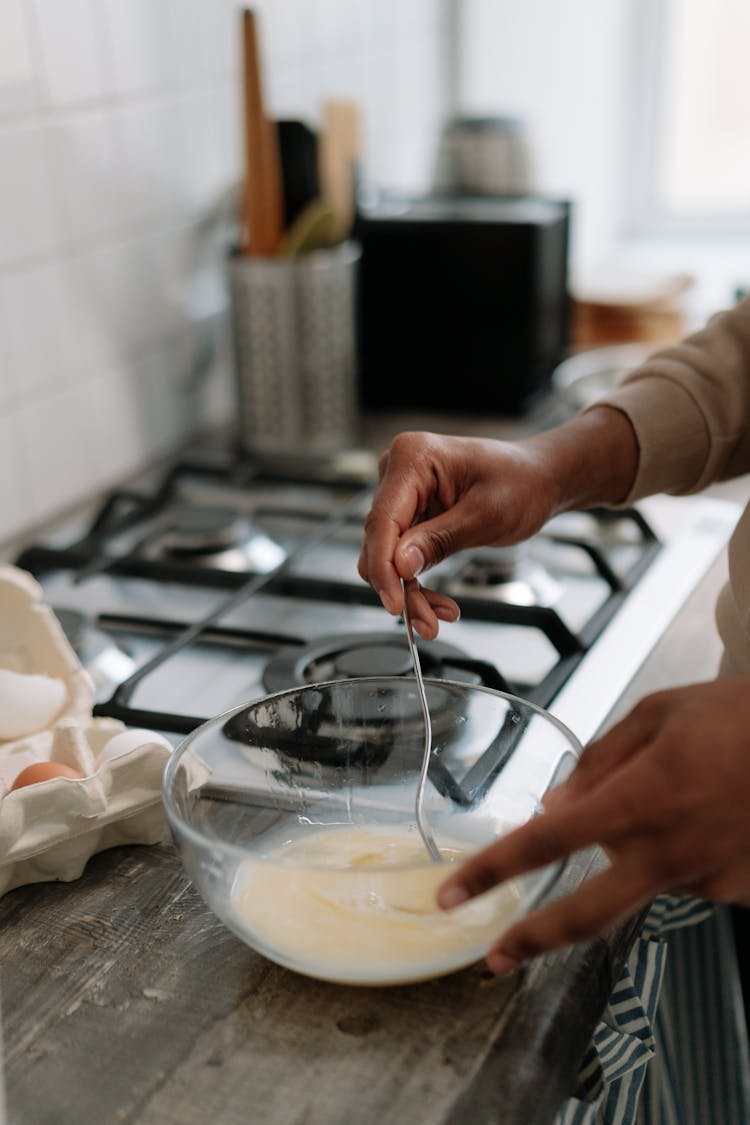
(298, 146)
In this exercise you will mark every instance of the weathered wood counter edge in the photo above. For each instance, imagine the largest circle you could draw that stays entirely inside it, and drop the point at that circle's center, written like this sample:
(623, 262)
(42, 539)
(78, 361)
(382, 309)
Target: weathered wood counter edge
(530, 1070)
(124, 999)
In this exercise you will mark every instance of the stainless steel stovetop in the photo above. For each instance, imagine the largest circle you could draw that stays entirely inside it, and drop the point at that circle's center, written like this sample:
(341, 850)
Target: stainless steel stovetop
(219, 583)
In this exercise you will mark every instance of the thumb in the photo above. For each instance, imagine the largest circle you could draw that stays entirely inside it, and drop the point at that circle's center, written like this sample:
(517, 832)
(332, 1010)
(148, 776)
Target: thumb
(431, 540)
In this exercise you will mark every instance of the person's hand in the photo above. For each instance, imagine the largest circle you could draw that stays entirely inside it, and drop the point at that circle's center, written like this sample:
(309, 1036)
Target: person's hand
(665, 792)
(438, 495)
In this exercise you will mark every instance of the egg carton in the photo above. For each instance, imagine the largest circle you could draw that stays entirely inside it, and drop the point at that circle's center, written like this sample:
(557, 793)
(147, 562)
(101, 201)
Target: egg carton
(50, 829)
(41, 678)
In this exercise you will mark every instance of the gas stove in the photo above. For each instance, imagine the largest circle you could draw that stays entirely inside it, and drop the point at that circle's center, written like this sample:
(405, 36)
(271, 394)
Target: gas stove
(220, 583)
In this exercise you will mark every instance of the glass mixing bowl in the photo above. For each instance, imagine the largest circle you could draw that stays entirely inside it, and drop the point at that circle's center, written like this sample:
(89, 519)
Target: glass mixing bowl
(294, 817)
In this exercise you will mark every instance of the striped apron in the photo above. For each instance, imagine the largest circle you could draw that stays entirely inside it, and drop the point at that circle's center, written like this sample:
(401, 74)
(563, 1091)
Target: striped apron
(671, 1048)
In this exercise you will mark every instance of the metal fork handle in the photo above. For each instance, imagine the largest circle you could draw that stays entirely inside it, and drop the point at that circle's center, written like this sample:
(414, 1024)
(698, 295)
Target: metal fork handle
(422, 825)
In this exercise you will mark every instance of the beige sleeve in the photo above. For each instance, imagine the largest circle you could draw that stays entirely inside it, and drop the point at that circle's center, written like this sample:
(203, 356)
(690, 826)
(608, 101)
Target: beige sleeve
(690, 408)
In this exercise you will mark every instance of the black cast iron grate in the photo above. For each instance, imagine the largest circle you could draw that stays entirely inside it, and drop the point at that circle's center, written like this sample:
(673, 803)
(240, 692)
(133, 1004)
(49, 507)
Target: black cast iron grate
(124, 510)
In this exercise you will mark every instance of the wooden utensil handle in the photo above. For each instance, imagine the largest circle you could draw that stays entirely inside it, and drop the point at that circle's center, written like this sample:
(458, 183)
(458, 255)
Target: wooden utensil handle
(263, 201)
(339, 152)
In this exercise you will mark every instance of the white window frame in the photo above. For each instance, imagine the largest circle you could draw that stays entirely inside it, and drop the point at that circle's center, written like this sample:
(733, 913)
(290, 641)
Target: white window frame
(644, 214)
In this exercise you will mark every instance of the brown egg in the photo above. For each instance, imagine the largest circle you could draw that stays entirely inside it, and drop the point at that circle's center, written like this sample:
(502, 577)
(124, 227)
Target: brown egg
(43, 771)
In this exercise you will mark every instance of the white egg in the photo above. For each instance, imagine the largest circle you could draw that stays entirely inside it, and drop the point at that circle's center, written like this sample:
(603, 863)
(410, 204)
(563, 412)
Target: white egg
(128, 740)
(28, 702)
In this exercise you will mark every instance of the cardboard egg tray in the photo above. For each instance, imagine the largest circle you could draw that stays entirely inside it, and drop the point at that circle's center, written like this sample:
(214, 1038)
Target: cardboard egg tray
(50, 829)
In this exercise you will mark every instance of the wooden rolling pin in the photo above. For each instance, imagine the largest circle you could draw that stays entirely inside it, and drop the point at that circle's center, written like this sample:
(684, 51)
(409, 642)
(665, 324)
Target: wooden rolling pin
(263, 207)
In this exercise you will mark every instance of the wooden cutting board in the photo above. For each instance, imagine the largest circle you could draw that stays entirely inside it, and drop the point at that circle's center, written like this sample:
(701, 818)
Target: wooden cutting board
(262, 217)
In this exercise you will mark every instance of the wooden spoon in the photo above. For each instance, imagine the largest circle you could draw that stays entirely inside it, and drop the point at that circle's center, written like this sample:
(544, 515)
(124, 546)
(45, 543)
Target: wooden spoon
(339, 152)
(263, 194)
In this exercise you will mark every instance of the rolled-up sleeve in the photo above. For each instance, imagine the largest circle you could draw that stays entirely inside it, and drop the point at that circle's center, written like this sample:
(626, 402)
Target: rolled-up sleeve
(690, 408)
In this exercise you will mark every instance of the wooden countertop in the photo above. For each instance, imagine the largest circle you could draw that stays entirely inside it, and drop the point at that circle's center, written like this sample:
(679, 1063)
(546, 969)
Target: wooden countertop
(125, 1000)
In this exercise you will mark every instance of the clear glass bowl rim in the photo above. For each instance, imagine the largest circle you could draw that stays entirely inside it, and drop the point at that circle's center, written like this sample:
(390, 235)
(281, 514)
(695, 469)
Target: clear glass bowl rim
(204, 841)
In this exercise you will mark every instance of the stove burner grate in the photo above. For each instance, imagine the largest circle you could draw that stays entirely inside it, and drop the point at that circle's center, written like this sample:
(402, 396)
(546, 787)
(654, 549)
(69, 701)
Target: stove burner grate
(343, 656)
(508, 576)
(217, 538)
(106, 661)
(123, 542)
(194, 530)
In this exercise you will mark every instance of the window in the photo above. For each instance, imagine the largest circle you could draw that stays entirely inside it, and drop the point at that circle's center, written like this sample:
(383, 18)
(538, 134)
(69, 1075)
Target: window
(691, 115)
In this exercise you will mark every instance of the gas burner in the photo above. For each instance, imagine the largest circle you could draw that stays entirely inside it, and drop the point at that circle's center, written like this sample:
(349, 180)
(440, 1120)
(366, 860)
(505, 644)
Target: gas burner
(507, 575)
(345, 656)
(217, 537)
(202, 531)
(321, 731)
(106, 662)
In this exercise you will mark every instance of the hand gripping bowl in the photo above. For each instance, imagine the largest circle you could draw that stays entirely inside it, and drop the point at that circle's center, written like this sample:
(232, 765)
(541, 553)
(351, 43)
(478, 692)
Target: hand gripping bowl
(294, 817)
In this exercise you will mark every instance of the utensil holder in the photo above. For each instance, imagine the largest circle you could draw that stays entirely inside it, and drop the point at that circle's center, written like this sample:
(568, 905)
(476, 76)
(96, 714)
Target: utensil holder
(295, 340)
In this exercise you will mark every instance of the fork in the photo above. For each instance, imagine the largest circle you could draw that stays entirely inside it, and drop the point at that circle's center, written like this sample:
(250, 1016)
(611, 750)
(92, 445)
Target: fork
(422, 825)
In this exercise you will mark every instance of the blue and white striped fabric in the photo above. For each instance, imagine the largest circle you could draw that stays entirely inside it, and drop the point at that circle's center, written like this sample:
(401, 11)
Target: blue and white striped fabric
(671, 1048)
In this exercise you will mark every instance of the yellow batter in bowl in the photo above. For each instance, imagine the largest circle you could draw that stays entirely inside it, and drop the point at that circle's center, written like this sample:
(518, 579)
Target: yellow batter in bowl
(356, 905)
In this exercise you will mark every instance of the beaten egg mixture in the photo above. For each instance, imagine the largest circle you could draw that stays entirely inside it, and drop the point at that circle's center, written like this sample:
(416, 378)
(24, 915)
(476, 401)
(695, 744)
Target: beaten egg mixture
(357, 905)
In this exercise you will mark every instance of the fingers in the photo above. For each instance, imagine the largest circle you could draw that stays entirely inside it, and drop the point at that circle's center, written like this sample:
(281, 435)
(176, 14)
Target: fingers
(596, 905)
(436, 537)
(375, 564)
(390, 553)
(607, 814)
(427, 609)
(418, 514)
(607, 753)
(669, 817)
(407, 482)
(542, 840)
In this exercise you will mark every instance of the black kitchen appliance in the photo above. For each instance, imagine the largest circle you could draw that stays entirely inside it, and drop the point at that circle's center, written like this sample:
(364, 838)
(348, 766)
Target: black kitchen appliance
(463, 301)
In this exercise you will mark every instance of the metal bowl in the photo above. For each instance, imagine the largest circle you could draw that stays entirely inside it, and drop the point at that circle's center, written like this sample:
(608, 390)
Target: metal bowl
(294, 817)
(589, 375)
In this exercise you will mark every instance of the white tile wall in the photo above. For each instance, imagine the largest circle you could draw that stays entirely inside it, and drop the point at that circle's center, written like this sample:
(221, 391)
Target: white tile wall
(28, 219)
(19, 87)
(134, 51)
(36, 357)
(11, 491)
(119, 140)
(69, 43)
(87, 175)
